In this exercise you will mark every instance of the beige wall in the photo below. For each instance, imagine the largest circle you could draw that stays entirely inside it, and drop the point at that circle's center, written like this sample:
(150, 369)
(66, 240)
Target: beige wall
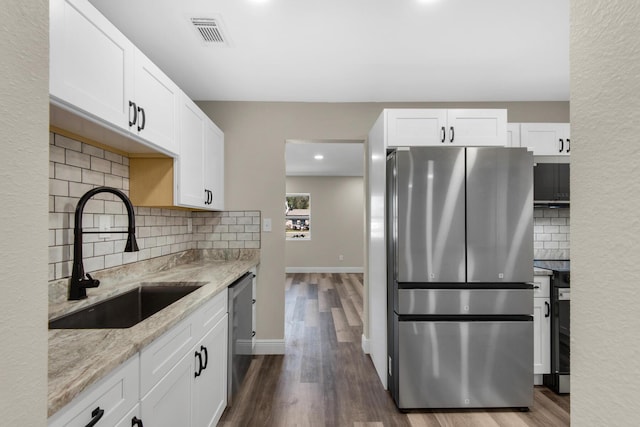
(337, 228)
(24, 172)
(255, 134)
(605, 206)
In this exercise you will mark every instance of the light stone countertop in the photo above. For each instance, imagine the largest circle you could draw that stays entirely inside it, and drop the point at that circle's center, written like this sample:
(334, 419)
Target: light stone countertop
(80, 357)
(541, 272)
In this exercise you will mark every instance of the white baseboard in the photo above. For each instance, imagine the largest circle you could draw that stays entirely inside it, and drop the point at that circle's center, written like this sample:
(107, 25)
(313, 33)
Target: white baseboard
(269, 347)
(365, 344)
(324, 270)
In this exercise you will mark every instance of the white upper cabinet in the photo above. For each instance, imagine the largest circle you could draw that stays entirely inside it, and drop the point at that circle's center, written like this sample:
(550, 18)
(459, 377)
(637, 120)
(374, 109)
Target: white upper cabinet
(97, 72)
(190, 180)
(200, 179)
(91, 62)
(546, 139)
(416, 127)
(214, 165)
(453, 127)
(157, 101)
(513, 134)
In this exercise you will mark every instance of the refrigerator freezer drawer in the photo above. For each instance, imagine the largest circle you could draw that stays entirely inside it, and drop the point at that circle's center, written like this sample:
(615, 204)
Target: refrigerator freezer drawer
(465, 301)
(465, 364)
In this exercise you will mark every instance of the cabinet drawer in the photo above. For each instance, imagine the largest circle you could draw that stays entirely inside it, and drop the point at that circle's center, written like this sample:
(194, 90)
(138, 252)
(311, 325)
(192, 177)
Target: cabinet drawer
(115, 394)
(157, 359)
(542, 289)
(213, 310)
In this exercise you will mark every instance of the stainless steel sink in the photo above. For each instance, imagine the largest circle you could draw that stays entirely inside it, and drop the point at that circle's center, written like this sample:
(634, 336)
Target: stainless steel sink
(127, 309)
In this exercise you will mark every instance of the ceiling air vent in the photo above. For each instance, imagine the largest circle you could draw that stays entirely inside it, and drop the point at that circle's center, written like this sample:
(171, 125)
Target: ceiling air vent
(210, 30)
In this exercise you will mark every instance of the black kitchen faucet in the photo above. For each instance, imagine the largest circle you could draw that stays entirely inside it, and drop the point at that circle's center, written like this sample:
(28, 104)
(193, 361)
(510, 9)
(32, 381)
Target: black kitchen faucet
(78, 284)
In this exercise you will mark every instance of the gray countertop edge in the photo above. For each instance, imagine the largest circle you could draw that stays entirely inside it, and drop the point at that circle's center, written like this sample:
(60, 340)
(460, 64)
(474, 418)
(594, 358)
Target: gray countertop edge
(79, 358)
(541, 272)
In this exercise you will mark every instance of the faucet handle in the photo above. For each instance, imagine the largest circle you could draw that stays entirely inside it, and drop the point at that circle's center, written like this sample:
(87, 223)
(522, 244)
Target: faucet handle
(90, 282)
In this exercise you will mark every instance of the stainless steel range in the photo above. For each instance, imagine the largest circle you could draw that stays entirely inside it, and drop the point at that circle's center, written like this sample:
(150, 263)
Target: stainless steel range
(460, 249)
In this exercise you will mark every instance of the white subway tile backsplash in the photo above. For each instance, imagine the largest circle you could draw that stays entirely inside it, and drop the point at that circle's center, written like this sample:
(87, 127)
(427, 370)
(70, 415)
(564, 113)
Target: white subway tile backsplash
(100, 165)
(64, 142)
(93, 151)
(551, 228)
(113, 157)
(75, 158)
(58, 187)
(67, 173)
(92, 177)
(120, 170)
(56, 154)
(75, 168)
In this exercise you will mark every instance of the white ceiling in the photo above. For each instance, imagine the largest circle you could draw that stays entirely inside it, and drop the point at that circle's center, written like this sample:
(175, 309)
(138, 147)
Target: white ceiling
(357, 50)
(340, 158)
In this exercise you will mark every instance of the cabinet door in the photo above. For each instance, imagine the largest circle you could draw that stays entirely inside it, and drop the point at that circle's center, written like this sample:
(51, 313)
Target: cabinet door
(541, 336)
(157, 100)
(416, 127)
(115, 394)
(513, 134)
(214, 165)
(168, 404)
(546, 139)
(210, 387)
(132, 419)
(191, 189)
(91, 62)
(471, 127)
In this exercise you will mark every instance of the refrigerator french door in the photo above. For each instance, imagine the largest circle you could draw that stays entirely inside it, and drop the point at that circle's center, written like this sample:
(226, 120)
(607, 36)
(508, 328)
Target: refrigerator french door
(460, 256)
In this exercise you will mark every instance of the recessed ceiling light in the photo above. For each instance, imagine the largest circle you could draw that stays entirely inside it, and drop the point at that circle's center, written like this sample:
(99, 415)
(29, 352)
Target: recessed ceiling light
(318, 157)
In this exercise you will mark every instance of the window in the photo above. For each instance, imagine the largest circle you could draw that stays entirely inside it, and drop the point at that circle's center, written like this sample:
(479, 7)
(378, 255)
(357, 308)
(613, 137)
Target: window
(298, 216)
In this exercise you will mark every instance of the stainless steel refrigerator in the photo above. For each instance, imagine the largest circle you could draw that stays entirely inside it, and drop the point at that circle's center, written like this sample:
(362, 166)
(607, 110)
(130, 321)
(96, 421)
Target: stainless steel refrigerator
(460, 272)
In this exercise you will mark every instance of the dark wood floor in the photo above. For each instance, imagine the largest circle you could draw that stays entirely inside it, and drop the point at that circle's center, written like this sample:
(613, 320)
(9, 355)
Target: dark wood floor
(325, 379)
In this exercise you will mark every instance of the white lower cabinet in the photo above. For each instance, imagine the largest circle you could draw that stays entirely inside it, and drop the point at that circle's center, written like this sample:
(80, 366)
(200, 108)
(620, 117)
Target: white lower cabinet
(210, 386)
(541, 328)
(193, 390)
(132, 419)
(168, 404)
(180, 379)
(105, 402)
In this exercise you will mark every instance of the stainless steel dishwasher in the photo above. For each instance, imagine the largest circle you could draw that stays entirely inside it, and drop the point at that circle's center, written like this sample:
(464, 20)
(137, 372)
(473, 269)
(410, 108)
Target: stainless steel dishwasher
(240, 333)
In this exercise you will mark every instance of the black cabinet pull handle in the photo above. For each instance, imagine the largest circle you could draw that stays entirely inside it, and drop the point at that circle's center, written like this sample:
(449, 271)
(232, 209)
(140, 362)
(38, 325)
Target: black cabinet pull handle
(96, 414)
(253, 301)
(452, 133)
(143, 116)
(207, 197)
(206, 356)
(199, 357)
(568, 145)
(546, 304)
(253, 334)
(210, 196)
(561, 145)
(443, 134)
(135, 421)
(135, 113)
